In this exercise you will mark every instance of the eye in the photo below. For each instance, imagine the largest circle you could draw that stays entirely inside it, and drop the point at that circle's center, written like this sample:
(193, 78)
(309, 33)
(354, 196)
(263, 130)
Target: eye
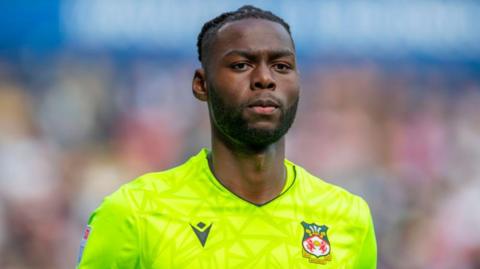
(239, 66)
(282, 67)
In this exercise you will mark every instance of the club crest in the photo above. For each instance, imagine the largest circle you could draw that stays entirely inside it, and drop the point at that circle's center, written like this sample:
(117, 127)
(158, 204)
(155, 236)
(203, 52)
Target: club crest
(316, 247)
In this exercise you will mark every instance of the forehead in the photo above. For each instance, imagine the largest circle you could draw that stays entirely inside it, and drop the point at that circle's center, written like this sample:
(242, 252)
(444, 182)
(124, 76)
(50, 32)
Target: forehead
(253, 35)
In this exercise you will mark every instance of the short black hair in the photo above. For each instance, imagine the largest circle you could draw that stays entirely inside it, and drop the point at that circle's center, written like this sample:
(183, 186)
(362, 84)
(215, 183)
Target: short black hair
(210, 28)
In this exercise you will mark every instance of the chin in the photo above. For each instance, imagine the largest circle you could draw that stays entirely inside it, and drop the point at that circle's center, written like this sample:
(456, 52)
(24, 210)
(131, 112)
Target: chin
(264, 127)
(261, 137)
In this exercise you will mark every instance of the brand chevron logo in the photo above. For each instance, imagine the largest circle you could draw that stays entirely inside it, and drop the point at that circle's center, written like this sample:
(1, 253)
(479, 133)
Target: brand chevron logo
(201, 231)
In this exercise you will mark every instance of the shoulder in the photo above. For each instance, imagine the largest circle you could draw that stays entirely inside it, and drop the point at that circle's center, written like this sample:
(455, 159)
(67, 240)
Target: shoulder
(337, 200)
(138, 194)
(313, 185)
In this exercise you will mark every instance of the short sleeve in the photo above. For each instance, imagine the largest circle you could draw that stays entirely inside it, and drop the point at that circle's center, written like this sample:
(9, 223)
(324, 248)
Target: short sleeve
(110, 239)
(367, 255)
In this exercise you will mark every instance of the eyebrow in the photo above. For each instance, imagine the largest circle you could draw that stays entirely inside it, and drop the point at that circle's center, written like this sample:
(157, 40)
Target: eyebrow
(252, 55)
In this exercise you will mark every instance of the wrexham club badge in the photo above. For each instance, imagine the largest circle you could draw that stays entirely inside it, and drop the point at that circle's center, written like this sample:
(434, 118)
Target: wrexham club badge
(316, 247)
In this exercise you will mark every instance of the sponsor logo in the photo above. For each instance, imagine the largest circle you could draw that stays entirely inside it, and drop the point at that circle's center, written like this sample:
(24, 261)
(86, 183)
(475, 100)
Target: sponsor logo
(315, 245)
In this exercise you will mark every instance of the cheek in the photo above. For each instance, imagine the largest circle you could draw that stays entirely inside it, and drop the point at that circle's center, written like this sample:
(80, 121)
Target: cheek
(231, 86)
(233, 79)
(291, 88)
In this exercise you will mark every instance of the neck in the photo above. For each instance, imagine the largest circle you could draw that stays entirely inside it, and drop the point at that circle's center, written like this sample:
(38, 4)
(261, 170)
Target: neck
(257, 176)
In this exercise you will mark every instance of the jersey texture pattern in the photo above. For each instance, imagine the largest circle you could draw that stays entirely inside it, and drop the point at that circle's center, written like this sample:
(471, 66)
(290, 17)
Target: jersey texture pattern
(185, 218)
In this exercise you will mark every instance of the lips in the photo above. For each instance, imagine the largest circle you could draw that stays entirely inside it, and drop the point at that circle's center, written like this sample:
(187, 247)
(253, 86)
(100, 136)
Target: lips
(264, 103)
(263, 106)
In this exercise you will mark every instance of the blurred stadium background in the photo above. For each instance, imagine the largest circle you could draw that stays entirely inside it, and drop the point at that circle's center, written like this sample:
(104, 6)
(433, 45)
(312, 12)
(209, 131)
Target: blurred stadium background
(95, 93)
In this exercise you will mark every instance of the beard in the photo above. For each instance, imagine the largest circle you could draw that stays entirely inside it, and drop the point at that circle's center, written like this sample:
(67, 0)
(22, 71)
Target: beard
(230, 122)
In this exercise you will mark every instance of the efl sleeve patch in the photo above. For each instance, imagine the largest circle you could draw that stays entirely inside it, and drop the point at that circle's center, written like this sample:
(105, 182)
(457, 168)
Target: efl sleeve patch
(83, 243)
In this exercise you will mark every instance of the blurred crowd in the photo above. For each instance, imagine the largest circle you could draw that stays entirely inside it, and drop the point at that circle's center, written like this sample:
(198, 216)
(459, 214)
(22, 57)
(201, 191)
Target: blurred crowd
(405, 137)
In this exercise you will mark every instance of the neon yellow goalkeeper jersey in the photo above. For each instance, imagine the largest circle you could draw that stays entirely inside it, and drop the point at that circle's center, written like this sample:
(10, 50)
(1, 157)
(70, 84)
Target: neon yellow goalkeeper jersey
(185, 218)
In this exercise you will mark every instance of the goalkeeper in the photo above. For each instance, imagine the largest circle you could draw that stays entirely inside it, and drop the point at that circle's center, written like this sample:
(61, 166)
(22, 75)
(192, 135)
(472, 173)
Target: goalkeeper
(240, 204)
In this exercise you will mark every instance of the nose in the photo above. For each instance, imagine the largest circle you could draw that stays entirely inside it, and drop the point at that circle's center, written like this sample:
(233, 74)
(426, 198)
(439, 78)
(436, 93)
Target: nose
(262, 78)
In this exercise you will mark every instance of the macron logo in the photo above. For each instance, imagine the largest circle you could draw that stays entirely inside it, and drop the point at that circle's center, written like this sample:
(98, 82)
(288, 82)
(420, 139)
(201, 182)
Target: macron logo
(201, 231)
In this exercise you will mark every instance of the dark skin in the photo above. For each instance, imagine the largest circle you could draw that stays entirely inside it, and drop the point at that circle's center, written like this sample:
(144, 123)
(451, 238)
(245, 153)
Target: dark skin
(251, 65)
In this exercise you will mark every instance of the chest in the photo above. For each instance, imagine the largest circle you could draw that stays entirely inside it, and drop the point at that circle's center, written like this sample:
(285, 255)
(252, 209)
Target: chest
(230, 235)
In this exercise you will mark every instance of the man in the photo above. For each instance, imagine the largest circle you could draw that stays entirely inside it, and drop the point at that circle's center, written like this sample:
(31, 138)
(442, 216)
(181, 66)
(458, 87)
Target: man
(240, 205)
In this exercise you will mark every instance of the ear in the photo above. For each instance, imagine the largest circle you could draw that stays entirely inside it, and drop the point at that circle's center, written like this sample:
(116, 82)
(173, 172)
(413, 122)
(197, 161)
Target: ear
(199, 85)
